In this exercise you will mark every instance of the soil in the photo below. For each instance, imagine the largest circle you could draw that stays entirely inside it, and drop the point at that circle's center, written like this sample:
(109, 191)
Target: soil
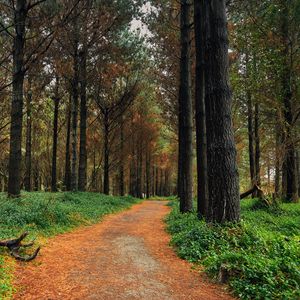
(126, 256)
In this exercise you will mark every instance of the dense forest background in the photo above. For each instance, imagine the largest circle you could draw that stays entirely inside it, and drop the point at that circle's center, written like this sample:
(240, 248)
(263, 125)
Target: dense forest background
(93, 100)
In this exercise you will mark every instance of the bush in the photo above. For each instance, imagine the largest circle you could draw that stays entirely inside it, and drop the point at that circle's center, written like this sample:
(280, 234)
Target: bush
(261, 255)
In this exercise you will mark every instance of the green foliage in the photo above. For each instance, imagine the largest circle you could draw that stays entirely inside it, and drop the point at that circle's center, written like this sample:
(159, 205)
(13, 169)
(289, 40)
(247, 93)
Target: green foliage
(261, 255)
(46, 214)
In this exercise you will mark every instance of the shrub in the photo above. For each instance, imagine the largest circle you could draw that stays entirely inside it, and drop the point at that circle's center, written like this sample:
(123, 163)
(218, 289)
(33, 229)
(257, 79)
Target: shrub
(261, 255)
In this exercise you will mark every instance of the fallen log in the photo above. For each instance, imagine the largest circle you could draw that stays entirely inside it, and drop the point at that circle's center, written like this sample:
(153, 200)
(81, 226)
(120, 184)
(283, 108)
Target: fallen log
(15, 245)
(260, 193)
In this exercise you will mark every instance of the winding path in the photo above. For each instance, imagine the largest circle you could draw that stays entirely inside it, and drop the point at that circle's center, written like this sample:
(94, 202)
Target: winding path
(126, 256)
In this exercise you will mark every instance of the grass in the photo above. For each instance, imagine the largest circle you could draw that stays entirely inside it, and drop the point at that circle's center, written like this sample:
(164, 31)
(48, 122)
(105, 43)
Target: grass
(47, 214)
(261, 255)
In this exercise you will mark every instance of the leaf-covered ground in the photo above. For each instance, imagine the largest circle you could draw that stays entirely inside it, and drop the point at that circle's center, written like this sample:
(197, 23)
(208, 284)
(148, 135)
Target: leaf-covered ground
(126, 256)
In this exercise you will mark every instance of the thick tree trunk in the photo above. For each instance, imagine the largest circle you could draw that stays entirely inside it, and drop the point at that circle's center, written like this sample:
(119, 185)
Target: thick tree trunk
(67, 179)
(185, 123)
(289, 163)
(202, 179)
(15, 154)
(106, 154)
(54, 139)
(223, 179)
(28, 154)
(82, 169)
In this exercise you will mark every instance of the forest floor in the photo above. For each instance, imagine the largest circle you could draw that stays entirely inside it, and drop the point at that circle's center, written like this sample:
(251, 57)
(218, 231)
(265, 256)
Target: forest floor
(126, 256)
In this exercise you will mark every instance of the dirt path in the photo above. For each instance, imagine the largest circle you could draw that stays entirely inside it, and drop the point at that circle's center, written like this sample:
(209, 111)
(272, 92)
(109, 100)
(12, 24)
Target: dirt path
(124, 257)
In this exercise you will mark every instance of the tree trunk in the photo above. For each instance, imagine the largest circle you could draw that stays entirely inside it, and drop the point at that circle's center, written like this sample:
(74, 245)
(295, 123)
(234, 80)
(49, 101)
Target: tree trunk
(202, 191)
(121, 165)
(251, 139)
(139, 171)
(257, 145)
(148, 174)
(67, 179)
(286, 79)
(223, 179)
(185, 123)
(106, 154)
(15, 154)
(82, 170)
(28, 154)
(75, 94)
(54, 139)
(277, 161)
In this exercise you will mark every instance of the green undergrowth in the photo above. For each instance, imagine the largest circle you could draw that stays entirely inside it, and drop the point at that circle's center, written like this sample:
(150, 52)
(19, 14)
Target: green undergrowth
(159, 198)
(47, 214)
(261, 255)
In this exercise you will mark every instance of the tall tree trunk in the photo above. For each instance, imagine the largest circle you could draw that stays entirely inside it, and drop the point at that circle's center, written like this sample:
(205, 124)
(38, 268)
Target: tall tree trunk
(121, 165)
(75, 94)
(156, 181)
(106, 154)
(185, 159)
(223, 179)
(148, 174)
(153, 181)
(251, 139)
(277, 160)
(15, 154)
(28, 154)
(257, 145)
(289, 164)
(56, 100)
(202, 191)
(139, 171)
(67, 179)
(82, 170)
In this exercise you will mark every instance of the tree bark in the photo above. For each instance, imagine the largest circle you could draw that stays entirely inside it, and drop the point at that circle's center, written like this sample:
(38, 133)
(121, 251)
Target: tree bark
(106, 153)
(251, 138)
(185, 124)
(67, 179)
(15, 154)
(202, 179)
(82, 170)
(75, 94)
(257, 145)
(56, 100)
(223, 179)
(277, 160)
(289, 164)
(121, 165)
(148, 168)
(28, 154)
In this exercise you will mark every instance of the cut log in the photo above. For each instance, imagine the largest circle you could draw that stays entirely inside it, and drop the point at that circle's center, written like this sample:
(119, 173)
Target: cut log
(14, 246)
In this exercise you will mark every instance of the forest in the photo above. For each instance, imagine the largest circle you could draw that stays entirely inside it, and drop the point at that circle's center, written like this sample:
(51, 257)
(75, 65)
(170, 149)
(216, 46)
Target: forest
(128, 126)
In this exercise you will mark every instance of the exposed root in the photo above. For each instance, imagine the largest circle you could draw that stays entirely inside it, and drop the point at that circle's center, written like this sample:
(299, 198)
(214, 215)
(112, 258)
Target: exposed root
(15, 245)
